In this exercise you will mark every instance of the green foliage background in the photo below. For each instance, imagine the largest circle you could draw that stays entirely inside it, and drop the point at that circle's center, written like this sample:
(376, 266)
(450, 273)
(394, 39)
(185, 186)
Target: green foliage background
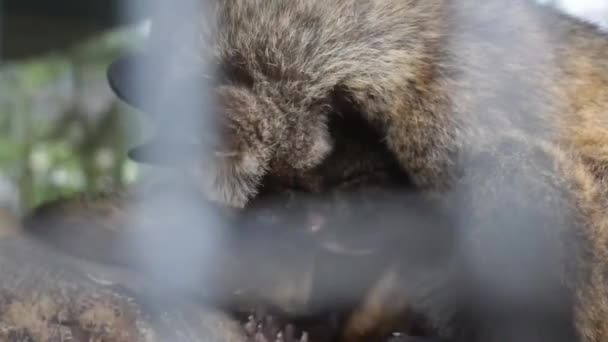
(61, 129)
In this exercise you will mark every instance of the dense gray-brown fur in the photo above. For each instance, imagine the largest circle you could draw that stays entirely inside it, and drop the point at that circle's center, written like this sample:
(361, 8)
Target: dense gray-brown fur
(495, 110)
(47, 296)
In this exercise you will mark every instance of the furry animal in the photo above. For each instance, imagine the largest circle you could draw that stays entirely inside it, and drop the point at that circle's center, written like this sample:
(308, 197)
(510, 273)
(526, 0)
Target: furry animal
(276, 252)
(50, 296)
(496, 112)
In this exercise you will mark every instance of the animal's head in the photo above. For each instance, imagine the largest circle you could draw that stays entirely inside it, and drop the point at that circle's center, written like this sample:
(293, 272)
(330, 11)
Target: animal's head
(229, 133)
(221, 113)
(237, 108)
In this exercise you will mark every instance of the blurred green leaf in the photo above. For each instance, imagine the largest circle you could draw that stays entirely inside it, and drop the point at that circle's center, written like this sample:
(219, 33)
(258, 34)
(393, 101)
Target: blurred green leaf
(52, 124)
(10, 151)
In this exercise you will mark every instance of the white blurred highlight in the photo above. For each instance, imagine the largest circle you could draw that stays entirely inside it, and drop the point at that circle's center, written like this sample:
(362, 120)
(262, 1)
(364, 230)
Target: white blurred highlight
(595, 11)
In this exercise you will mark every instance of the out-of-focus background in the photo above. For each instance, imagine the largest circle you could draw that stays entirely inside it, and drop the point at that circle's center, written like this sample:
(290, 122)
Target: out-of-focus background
(61, 129)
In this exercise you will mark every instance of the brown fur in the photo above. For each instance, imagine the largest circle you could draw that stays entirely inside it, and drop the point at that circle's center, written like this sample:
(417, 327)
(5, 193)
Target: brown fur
(47, 296)
(95, 227)
(498, 107)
